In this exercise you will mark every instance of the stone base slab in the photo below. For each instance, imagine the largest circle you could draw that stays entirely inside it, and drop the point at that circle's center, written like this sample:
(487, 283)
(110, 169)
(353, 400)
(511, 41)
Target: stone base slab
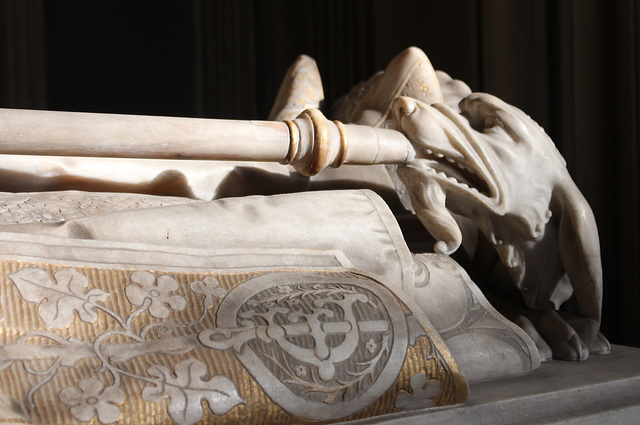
(601, 390)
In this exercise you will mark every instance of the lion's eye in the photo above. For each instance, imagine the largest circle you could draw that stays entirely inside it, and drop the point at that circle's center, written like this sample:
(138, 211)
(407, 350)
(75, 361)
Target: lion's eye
(491, 122)
(497, 129)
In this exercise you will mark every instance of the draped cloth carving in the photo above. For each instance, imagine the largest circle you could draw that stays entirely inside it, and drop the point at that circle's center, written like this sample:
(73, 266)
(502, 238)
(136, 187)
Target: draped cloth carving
(95, 334)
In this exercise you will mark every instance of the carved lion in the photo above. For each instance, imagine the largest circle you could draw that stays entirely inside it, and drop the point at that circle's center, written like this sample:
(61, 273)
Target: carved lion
(482, 164)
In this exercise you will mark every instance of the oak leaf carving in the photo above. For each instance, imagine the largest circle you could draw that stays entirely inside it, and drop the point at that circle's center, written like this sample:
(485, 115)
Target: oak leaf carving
(186, 389)
(60, 296)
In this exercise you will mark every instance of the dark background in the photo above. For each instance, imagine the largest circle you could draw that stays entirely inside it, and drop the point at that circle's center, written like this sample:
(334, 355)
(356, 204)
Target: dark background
(572, 65)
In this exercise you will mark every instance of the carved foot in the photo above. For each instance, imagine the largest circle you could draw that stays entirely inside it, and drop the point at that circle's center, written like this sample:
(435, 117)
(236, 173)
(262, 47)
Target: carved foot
(564, 341)
(557, 335)
(589, 332)
(563, 337)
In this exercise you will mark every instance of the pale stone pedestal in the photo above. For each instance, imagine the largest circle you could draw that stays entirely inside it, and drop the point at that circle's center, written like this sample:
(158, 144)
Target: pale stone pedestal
(601, 390)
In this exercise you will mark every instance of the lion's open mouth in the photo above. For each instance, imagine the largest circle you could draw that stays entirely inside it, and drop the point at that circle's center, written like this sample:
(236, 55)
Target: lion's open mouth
(456, 172)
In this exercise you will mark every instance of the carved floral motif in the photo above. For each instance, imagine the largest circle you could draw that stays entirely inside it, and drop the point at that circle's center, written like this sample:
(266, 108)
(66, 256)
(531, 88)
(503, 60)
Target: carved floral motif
(60, 296)
(158, 294)
(64, 296)
(320, 346)
(186, 388)
(91, 398)
(54, 207)
(422, 392)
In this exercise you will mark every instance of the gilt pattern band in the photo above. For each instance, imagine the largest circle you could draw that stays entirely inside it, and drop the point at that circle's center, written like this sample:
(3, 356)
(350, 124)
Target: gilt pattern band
(344, 145)
(320, 147)
(87, 344)
(317, 144)
(294, 142)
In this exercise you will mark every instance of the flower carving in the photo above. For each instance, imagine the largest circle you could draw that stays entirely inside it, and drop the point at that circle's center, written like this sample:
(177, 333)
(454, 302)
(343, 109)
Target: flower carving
(301, 371)
(284, 289)
(210, 288)
(159, 291)
(93, 398)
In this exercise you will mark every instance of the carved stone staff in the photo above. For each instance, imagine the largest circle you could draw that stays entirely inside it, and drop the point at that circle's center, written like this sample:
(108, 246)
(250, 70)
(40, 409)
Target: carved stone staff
(309, 143)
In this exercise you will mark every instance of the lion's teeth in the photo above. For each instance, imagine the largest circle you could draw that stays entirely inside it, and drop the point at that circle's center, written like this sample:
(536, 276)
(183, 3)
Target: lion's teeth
(453, 179)
(429, 152)
(450, 160)
(466, 186)
(439, 155)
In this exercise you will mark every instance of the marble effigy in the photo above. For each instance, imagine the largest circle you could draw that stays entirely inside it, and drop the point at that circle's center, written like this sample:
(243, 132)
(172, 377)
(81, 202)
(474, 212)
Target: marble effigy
(140, 307)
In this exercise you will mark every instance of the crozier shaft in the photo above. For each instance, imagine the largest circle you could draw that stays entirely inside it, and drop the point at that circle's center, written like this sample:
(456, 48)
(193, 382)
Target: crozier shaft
(309, 143)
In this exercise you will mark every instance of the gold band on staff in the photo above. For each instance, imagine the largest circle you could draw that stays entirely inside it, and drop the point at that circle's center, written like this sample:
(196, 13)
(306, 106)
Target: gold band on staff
(344, 144)
(320, 147)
